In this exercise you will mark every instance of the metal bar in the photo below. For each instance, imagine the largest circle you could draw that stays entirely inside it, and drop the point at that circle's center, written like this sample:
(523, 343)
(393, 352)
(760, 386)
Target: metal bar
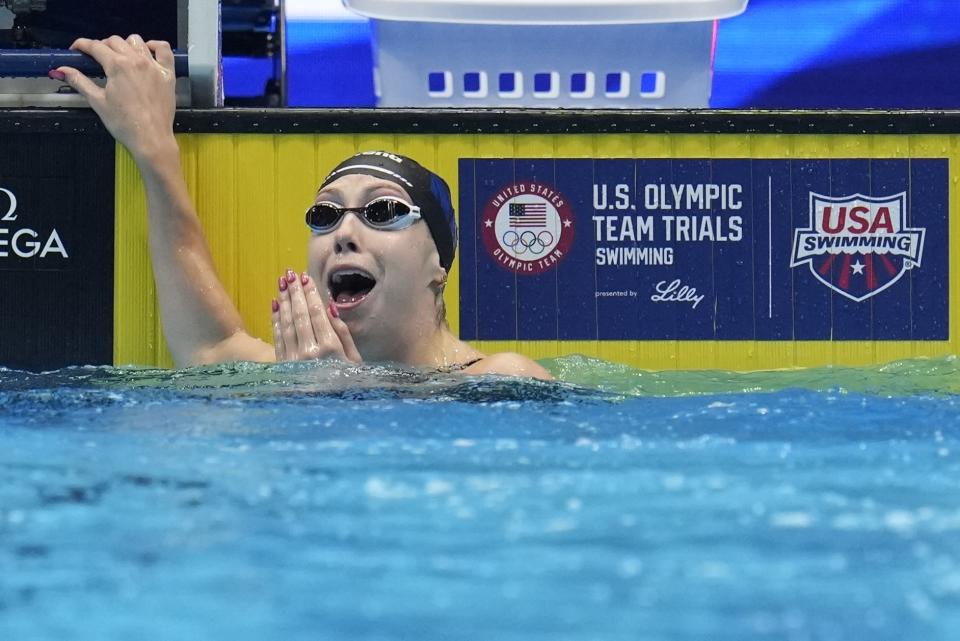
(183, 11)
(203, 42)
(282, 33)
(35, 63)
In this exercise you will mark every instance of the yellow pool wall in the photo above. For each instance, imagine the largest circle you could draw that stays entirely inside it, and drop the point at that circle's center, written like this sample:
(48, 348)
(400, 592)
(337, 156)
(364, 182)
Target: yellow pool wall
(251, 190)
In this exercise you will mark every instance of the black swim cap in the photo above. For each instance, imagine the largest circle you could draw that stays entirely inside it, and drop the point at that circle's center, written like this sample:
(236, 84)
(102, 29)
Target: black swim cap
(428, 191)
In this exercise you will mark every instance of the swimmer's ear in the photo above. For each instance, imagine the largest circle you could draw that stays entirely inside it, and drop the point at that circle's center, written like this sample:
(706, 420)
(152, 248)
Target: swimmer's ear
(438, 279)
(436, 272)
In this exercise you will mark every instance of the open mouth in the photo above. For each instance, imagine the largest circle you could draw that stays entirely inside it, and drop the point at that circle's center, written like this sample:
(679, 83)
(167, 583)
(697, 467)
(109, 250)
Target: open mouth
(350, 286)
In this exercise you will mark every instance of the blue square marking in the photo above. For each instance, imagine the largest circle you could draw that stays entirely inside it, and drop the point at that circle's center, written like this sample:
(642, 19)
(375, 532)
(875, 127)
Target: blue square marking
(542, 83)
(614, 82)
(508, 82)
(436, 82)
(471, 81)
(648, 82)
(578, 82)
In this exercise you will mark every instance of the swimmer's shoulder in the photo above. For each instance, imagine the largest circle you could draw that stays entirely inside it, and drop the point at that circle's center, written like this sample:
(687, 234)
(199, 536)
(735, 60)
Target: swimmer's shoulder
(508, 364)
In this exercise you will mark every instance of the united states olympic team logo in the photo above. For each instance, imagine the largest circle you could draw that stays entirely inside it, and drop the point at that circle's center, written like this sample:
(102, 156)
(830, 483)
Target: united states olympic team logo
(857, 245)
(527, 227)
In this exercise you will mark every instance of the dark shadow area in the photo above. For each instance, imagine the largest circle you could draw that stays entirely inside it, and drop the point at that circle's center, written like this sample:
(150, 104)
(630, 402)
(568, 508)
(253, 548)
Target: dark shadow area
(63, 21)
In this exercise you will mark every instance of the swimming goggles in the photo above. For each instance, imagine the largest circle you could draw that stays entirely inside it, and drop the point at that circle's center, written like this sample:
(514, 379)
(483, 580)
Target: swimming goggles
(386, 213)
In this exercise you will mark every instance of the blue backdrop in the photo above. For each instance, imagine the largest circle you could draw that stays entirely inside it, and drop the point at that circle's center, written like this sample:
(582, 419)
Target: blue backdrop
(651, 256)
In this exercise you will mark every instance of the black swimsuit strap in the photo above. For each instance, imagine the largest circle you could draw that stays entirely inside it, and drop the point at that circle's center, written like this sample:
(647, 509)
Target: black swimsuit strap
(458, 367)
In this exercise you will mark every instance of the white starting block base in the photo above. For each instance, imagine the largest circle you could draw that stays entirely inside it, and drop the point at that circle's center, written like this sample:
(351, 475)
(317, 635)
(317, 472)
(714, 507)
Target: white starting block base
(603, 66)
(544, 53)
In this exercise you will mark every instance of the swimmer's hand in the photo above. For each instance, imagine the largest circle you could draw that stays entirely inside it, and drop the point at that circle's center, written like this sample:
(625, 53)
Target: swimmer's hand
(138, 102)
(303, 328)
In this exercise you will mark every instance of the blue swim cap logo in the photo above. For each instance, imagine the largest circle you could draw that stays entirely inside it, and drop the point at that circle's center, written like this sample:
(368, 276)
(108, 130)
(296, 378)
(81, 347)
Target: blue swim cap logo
(442, 193)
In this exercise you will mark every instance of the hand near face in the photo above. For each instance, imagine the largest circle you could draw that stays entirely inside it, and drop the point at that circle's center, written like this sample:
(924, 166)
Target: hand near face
(305, 329)
(138, 103)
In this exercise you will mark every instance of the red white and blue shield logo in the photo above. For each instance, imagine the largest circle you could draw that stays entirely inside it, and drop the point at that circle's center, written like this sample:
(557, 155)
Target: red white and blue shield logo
(858, 245)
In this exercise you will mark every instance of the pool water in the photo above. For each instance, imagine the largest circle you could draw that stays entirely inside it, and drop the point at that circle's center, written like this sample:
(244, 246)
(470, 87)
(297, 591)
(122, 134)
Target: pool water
(303, 502)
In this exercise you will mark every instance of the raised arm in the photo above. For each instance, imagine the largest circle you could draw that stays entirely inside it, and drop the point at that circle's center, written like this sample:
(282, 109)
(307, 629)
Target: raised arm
(137, 106)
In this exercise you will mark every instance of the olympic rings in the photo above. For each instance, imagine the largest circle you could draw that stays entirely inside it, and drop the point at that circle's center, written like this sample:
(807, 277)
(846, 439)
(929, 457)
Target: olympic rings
(520, 244)
(528, 238)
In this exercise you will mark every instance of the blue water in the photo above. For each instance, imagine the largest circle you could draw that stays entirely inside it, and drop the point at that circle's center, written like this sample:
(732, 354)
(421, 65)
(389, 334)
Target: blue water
(294, 502)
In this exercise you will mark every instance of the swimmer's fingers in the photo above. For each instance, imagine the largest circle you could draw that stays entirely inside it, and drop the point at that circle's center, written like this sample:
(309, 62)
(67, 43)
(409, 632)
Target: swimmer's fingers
(318, 315)
(163, 53)
(278, 347)
(343, 333)
(330, 330)
(118, 44)
(306, 338)
(96, 49)
(303, 327)
(288, 333)
(82, 84)
(87, 88)
(137, 44)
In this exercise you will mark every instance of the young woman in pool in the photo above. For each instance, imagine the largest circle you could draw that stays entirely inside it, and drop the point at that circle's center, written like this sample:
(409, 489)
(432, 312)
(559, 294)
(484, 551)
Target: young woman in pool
(383, 239)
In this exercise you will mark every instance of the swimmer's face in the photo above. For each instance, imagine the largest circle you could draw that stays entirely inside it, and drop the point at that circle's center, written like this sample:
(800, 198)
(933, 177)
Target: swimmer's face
(379, 279)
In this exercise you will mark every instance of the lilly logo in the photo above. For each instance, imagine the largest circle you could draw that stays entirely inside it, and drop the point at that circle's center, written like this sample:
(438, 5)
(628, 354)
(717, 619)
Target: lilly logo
(858, 245)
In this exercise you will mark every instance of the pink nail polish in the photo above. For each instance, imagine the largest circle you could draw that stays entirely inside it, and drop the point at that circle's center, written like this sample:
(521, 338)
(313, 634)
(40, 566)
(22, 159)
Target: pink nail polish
(283, 284)
(333, 310)
(304, 279)
(291, 276)
(274, 305)
(56, 74)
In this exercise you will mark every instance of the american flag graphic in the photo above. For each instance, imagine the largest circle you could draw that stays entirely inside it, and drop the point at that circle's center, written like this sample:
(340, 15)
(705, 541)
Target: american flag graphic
(528, 214)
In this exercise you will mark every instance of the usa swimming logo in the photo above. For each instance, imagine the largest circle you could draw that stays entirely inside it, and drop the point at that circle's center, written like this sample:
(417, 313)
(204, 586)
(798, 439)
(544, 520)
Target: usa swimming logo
(856, 245)
(527, 227)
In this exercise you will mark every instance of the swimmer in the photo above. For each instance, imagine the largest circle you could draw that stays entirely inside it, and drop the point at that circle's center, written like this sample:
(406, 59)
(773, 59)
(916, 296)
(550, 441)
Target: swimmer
(382, 242)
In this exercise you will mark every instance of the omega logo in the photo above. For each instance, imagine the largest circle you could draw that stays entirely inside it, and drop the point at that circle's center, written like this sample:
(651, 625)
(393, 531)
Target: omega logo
(25, 242)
